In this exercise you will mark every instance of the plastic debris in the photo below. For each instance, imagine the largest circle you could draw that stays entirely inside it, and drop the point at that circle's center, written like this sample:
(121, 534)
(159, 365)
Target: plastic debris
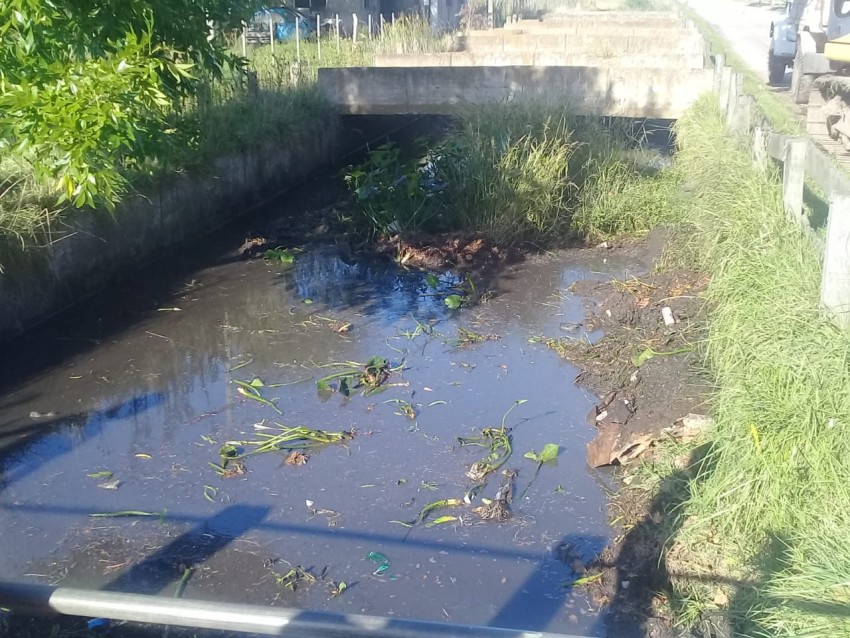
(98, 623)
(382, 562)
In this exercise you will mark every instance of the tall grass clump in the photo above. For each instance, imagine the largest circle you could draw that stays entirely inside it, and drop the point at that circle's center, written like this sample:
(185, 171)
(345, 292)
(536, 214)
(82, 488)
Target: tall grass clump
(774, 508)
(622, 197)
(27, 208)
(509, 171)
(504, 170)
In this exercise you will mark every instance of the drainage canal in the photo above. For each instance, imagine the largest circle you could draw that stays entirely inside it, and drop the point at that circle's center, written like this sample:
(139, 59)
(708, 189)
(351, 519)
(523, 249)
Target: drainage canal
(174, 435)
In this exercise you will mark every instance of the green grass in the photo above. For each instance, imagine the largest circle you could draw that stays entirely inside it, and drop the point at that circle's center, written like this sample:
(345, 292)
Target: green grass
(521, 172)
(26, 210)
(619, 199)
(277, 69)
(773, 512)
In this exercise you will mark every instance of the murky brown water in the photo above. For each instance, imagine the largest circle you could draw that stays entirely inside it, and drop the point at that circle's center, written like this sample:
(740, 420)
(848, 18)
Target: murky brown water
(155, 377)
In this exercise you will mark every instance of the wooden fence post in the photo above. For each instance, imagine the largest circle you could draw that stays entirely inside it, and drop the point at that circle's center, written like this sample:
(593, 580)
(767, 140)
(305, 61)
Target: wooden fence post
(835, 285)
(793, 177)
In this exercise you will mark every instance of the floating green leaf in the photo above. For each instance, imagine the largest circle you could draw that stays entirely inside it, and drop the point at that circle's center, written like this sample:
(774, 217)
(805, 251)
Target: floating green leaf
(441, 521)
(453, 302)
(432, 280)
(584, 580)
(280, 255)
(250, 390)
(549, 454)
(124, 513)
(639, 359)
(105, 474)
(430, 507)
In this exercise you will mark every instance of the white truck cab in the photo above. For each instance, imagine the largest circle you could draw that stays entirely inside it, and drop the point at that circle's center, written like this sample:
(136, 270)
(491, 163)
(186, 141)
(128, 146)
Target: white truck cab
(800, 29)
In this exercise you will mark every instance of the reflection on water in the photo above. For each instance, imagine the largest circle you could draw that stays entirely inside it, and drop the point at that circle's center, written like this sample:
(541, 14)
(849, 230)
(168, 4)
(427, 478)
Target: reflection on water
(153, 403)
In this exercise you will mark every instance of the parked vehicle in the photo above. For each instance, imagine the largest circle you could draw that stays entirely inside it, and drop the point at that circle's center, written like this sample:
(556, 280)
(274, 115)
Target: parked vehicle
(820, 32)
(282, 22)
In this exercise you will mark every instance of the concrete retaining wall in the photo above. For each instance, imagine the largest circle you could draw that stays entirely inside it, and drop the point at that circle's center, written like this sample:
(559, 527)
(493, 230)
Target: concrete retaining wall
(658, 93)
(95, 245)
(464, 58)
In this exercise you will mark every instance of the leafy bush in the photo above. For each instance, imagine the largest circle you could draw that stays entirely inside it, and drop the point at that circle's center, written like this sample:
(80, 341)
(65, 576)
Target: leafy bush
(85, 87)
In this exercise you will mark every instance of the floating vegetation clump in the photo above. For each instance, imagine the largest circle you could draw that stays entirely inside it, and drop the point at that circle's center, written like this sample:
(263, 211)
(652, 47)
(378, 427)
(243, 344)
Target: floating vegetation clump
(280, 255)
(469, 338)
(276, 438)
(404, 408)
(497, 440)
(369, 378)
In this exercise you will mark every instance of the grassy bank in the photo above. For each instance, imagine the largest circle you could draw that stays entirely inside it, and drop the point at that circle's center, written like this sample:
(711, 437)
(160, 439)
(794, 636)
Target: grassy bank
(773, 505)
(759, 533)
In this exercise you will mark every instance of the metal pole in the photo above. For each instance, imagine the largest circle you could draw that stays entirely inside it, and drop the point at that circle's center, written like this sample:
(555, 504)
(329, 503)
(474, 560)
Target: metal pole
(297, 42)
(337, 34)
(319, 37)
(370, 26)
(271, 32)
(354, 28)
(244, 41)
(270, 621)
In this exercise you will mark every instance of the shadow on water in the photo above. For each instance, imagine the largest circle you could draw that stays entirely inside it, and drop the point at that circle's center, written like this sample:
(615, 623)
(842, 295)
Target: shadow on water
(16, 442)
(166, 565)
(532, 606)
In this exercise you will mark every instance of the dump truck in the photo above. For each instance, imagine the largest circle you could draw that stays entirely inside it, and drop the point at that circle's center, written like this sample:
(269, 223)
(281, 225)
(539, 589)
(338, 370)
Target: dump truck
(813, 37)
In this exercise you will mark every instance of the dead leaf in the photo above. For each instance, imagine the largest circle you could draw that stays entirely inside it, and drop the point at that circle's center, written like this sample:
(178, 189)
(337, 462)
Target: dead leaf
(689, 427)
(610, 446)
(296, 458)
(721, 599)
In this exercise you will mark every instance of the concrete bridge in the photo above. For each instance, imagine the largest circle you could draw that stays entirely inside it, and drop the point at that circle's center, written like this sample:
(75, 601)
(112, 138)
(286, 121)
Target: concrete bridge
(629, 64)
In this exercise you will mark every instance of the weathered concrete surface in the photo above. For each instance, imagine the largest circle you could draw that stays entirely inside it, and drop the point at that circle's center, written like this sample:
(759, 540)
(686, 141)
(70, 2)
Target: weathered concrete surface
(610, 45)
(660, 93)
(465, 58)
(93, 245)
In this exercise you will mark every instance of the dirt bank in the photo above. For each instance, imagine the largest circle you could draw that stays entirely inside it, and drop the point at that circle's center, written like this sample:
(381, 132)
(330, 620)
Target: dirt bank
(646, 374)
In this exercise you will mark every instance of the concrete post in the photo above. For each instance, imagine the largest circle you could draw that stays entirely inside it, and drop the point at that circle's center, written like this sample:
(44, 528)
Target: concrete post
(719, 63)
(723, 92)
(742, 118)
(736, 87)
(793, 177)
(835, 285)
(760, 148)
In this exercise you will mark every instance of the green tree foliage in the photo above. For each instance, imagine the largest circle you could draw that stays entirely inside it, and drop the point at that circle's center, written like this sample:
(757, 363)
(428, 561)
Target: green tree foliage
(86, 86)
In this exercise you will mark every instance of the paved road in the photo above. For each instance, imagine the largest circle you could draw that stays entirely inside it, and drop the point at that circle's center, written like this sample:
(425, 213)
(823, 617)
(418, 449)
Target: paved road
(746, 26)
